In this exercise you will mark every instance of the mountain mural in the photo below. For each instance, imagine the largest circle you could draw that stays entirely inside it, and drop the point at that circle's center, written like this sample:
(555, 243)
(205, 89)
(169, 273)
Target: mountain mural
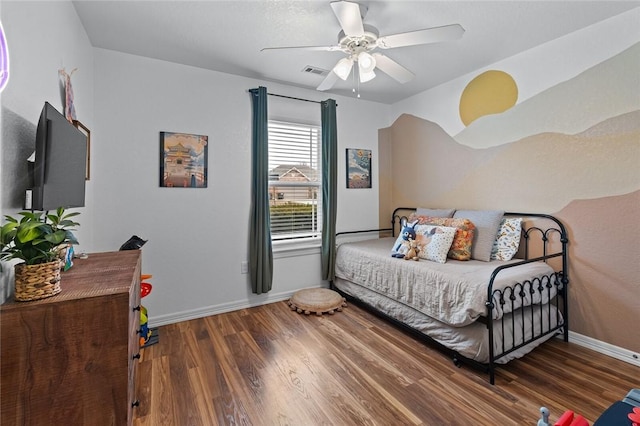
(599, 93)
(572, 151)
(541, 173)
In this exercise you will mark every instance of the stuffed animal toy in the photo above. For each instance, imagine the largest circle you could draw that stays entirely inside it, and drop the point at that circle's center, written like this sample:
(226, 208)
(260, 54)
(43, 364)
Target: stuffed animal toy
(413, 251)
(408, 232)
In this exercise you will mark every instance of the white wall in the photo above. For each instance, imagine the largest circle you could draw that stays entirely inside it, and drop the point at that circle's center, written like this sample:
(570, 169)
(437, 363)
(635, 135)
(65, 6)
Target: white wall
(42, 37)
(198, 237)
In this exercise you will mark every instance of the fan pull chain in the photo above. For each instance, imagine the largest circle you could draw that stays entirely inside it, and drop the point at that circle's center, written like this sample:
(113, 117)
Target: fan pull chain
(356, 81)
(353, 77)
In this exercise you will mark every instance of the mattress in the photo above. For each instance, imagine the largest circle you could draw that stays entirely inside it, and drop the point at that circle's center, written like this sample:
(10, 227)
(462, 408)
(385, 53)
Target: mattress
(471, 341)
(453, 293)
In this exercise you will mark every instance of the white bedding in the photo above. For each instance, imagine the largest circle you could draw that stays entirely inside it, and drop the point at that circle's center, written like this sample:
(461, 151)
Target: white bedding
(470, 341)
(453, 293)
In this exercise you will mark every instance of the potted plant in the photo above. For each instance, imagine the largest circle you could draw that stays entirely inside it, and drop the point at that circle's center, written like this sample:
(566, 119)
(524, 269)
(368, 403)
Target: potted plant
(41, 241)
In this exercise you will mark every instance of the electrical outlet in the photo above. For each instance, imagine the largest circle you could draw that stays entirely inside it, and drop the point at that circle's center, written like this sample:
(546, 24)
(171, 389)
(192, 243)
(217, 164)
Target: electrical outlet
(244, 267)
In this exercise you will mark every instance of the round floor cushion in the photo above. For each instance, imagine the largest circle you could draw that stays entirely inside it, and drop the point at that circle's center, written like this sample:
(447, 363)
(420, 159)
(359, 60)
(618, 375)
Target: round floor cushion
(318, 300)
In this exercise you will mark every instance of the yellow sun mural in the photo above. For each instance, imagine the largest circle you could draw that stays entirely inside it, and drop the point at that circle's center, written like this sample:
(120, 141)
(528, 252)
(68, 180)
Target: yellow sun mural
(491, 92)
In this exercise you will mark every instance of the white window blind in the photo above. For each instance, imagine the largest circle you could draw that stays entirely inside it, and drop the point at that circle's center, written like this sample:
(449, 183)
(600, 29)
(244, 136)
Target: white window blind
(295, 179)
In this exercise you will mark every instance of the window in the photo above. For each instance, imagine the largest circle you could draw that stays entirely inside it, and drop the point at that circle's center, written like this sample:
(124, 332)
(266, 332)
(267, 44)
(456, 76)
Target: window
(295, 178)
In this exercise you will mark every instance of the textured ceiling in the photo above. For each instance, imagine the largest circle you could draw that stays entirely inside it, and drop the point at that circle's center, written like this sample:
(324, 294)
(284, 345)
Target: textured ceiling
(228, 36)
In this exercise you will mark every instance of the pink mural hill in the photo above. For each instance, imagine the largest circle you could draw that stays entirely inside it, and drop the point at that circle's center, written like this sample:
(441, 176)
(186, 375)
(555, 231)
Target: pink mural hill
(539, 173)
(423, 152)
(604, 268)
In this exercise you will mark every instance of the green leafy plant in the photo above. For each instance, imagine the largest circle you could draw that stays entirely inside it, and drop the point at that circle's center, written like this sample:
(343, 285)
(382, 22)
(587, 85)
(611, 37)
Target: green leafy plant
(37, 238)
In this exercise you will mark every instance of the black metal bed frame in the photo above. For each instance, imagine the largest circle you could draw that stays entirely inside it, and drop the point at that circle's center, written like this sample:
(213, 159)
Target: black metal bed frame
(515, 295)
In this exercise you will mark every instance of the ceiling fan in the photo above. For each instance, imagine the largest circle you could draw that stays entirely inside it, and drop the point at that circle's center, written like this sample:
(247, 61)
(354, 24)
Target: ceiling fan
(359, 41)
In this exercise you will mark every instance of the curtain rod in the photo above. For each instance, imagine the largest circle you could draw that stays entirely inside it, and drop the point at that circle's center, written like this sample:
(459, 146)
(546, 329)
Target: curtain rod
(297, 99)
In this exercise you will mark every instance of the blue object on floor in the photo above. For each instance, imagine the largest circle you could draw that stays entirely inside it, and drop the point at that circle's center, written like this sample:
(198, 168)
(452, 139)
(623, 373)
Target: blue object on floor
(617, 413)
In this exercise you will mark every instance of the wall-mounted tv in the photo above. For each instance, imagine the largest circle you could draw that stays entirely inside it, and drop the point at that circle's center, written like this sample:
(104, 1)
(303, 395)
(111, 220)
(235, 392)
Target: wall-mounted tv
(60, 162)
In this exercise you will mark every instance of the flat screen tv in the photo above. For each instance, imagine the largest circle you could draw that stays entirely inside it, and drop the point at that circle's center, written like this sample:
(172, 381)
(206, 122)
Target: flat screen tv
(60, 162)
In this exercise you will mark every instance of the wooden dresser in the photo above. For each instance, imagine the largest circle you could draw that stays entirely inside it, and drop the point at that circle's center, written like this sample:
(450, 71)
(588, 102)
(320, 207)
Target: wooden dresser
(71, 359)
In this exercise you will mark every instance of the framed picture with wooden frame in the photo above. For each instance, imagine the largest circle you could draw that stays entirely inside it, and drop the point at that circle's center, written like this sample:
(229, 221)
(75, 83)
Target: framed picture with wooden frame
(358, 168)
(87, 133)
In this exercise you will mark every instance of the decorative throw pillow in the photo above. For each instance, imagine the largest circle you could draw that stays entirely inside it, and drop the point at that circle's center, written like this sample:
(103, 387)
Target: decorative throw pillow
(487, 223)
(506, 244)
(462, 241)
(434, 241)
(420, 211)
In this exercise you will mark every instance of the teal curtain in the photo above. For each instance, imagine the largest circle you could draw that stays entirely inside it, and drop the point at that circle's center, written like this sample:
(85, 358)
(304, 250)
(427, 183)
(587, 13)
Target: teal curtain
(260, 250)
(329, 187)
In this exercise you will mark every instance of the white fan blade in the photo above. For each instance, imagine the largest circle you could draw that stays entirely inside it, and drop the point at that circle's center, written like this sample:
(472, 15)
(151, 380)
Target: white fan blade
(348, 15)
(328, 82)
(323, 48)
(392, 68)
(429, 35)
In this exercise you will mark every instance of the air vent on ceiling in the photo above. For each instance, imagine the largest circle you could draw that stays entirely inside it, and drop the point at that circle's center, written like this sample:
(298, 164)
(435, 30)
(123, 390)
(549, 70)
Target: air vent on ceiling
(315, 70)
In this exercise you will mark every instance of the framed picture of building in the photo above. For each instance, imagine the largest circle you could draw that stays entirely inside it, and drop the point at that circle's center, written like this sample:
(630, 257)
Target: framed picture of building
(358, 168)
(183, 160)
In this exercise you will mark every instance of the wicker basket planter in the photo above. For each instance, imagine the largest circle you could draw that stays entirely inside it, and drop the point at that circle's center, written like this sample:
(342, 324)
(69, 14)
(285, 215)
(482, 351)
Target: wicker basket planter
(42, 242)
(34, 282)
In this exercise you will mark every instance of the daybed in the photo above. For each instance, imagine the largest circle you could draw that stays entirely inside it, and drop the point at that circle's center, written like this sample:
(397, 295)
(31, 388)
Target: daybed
(481, 312)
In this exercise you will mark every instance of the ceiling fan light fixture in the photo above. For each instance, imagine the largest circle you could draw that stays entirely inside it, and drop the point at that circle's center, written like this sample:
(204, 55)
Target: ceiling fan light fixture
(343, 68)
(366, 76)
(366, 62)
(366, 65)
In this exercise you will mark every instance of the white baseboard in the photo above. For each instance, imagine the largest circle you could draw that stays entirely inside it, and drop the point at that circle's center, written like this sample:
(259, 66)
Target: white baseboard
(156, 321)
(605, 348)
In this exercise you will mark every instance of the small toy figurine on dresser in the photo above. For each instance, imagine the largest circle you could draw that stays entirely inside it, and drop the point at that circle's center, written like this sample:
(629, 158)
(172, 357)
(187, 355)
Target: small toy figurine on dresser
(148, 336)
(145, 331)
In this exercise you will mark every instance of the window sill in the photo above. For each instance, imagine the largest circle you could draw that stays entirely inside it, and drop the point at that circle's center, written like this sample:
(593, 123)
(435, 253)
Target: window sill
(283, 249)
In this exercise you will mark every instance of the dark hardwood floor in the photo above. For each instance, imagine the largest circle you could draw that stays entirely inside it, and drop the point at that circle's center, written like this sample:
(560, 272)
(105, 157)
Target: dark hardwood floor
(271, 366)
